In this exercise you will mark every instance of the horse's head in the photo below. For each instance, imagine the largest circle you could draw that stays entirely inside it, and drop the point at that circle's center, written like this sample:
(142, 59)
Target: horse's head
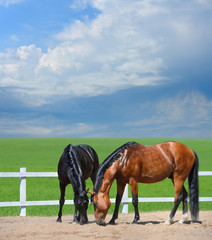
(81, 204)
(101, 205)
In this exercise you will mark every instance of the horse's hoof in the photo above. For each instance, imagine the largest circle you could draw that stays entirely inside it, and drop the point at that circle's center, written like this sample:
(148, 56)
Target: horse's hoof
(112, 222)
(169, 221)
(59, 221)
(183, 220)
(83, 222)
(135, 222)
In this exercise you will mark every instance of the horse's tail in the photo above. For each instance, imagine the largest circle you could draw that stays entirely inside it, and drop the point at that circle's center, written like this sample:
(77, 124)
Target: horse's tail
(193, 182)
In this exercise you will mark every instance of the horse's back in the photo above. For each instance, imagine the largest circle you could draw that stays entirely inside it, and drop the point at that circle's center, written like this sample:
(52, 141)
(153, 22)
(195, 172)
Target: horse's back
(89, 154)
(81, 157)
(88, 160)
(153, 163)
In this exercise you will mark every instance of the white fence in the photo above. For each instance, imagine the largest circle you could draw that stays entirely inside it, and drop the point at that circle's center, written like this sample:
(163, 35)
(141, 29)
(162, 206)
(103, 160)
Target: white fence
(23, 203)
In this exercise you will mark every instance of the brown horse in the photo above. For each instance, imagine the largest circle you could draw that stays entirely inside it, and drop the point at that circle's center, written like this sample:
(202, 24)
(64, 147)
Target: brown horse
(133, 163)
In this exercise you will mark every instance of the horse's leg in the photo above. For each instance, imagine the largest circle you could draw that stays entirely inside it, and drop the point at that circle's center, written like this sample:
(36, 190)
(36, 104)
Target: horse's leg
(120, 191)
(76, 218)
(62, 200)
(134, 190)
(185, 206)
(178, 185)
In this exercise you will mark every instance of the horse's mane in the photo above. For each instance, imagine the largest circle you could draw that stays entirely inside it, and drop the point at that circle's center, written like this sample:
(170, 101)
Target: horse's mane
(108, 163)
(70, 156)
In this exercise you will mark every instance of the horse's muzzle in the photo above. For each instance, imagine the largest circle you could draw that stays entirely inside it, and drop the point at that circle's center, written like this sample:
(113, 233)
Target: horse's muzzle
(101, 222)
(83, 220)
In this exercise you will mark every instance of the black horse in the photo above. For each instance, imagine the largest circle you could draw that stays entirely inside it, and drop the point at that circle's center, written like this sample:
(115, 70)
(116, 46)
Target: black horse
(76, 164)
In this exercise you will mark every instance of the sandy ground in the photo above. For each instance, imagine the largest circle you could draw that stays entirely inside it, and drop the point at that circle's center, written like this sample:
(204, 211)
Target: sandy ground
(151, 226)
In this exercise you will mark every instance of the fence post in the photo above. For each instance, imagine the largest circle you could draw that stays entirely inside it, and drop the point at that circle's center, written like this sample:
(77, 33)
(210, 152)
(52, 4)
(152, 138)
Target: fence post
(125, 200)
(23, 192)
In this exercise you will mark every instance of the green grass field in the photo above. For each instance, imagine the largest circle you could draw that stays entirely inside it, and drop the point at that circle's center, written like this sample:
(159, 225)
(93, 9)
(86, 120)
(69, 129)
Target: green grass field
(42, 155)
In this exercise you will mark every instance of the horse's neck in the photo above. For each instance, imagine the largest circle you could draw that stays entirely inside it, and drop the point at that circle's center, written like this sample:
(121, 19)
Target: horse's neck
(78, 184)
(77, 189)
(107, 183)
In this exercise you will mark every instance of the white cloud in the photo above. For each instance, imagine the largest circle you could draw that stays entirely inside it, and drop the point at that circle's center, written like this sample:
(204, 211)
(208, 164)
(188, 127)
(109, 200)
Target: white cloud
(95, 57)
(13, 127)
(39, 128)
(80, 129)
(17, 67)
(191, 113)
(123, 46)
(192, 108)
(79, 4)
(207, 3)
(14, 38)
(18, 76)
(106, 54)
(6, 3)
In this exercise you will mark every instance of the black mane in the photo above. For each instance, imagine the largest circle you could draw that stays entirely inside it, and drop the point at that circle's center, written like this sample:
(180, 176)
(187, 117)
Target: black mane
(108, 163)
(70, 156)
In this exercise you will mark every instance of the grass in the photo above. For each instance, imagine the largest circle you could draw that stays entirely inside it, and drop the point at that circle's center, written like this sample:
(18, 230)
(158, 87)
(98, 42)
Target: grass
(42, 155)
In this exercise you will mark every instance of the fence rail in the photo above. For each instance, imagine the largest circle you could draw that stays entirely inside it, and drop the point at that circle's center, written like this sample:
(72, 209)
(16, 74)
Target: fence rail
(125, 200)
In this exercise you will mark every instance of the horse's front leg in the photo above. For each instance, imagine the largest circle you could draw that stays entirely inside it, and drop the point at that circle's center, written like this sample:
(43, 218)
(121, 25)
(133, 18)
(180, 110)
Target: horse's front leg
(120, 191)
(134, 190)
(76, 218)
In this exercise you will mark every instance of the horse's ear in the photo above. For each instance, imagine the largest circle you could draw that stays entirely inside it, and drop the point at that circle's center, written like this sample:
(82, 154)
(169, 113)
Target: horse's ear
(91, 192)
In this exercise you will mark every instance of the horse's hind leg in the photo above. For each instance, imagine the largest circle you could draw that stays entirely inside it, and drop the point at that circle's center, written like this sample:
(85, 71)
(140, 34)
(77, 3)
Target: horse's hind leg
(134, 190)
(185, 206)
(62, 200)
(120, 191)
(178, 185)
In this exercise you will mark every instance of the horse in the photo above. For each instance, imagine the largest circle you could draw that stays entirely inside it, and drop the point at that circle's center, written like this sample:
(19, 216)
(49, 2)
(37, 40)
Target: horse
(77, 164)
(133, 162)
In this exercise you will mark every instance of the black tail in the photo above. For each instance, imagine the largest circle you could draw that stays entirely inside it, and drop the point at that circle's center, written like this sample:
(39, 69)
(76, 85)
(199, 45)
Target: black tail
(193, 182)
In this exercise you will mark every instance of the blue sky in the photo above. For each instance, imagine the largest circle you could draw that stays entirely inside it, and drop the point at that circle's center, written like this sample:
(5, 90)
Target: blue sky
(106, 68)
